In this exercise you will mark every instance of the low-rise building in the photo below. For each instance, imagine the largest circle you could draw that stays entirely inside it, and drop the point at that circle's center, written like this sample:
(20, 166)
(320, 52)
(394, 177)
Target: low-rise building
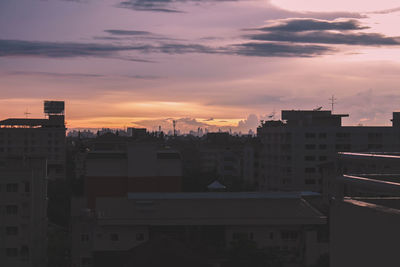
(206, 222)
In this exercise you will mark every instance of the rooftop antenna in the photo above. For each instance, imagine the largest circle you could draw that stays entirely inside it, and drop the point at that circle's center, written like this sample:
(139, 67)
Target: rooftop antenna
(332, 102)
(27, 113)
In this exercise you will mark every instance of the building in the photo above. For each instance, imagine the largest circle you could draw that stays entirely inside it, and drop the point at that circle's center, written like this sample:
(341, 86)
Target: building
(364, 196)
(294, 147)
(37, 137)
(203, 222)
(132, 167)
(23, 208)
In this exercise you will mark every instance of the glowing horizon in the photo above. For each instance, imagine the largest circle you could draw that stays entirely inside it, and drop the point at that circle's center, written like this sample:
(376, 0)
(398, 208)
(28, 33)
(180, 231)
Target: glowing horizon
(216, 64)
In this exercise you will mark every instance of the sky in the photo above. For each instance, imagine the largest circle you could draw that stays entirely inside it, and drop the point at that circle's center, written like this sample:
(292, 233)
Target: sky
(216, 64)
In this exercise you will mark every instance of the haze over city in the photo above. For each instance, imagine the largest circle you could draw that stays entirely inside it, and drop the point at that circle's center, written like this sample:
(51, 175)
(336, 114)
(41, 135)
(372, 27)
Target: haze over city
(210, 64)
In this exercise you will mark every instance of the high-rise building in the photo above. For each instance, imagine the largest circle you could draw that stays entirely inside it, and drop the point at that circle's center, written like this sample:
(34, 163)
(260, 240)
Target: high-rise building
(37, 137)
(294, 147)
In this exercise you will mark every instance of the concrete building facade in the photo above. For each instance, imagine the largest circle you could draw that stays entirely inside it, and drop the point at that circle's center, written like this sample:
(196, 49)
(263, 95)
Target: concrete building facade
(294, 148)
(207, 222)
(23, 212)
(36, 137)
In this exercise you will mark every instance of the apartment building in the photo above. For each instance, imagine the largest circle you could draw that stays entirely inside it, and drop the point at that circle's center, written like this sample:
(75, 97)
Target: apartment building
(23, 207)
(294, 147)
(37, 137)
(207, 223)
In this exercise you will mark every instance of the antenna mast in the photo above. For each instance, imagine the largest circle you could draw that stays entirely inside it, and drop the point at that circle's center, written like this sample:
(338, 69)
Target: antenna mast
(26, 113)
(332, 102)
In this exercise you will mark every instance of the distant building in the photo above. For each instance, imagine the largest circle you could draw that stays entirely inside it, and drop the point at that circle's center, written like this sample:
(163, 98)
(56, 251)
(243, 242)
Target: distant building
(37, 137)
(294, 148)
(23, 212)
(136, 132)
(207, 223)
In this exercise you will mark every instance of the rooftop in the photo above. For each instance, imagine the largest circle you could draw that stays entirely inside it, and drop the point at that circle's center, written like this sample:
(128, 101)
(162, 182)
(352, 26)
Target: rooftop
(23, 122)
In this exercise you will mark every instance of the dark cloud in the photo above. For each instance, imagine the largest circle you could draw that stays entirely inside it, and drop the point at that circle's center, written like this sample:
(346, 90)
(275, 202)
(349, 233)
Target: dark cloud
(127, 32)
(306, 24)
(61, 50)
(279, 50)
(160, 5)
(324, 37)
(70, 50)
(386, 11)
(191, 122)
(55, 74)
(313, 31)
(79, 75)
(149, 5)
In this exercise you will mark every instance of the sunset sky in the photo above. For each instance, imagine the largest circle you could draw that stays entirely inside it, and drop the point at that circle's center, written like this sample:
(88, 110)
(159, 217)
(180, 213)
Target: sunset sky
(205, 63)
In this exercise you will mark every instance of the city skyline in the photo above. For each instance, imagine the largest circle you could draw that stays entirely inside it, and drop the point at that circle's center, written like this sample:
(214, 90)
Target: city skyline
(219, 63)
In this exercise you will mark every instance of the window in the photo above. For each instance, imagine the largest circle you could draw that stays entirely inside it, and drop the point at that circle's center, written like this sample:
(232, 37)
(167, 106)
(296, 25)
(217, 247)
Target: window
(310, 135)
(322, 146)
(12, 252)
(27, 187)
(84, 237)
(271, 235)
(114, 237)
(310, 146)
(11, 209)
(12, 188)
(289, 235)
(309, 170)
(139, 236)
(323, 158)
(309, 181)
(239, 236)
(12, 230)
(322, 135)
(86, 262)
(309, 158)
(24, 252)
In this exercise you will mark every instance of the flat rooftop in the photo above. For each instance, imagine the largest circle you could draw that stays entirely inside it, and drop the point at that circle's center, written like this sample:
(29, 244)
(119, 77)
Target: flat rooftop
(23, 122)
(222, 195)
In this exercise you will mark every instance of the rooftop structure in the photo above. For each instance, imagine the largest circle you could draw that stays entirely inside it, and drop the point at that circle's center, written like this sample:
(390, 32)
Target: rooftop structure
(36, 137)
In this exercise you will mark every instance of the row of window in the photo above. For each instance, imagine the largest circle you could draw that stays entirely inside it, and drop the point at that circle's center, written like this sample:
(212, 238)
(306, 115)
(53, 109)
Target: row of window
(286, 235)
(14, 187)
(314, 158)
(113, 237)
(15, 252)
